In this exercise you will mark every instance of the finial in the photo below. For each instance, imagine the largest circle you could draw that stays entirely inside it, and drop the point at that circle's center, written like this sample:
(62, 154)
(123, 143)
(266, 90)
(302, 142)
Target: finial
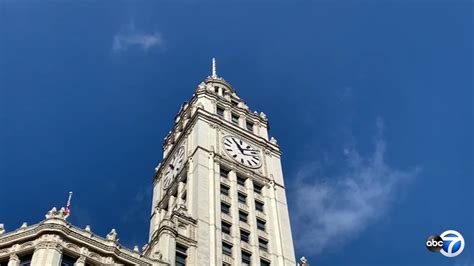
(2, 229)
(136, 249)
(88, 228)
(112, 235)
(214, 74)
(303, 262)
(24, 225)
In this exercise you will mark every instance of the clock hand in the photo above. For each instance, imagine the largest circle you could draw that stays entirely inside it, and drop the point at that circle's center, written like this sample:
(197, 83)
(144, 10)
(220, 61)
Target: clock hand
(238, 146)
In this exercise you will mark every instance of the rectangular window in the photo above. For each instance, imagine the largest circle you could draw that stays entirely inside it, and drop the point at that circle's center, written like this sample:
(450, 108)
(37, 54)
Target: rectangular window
(242, 198)
(244, 236)
(227, 249)
(261, 224)
(249, 126)
(243, 216)
(220, 111)
(257, 188)
(226, 228)
(224, 190)
(234, 103)
(263, 244)
(241, 181)
(181, 255)
(26, 260)
(224, 172)
(264, 263)
(225, 208)
(259, 206)
(67, 260)
(235, 118)
(246, 258)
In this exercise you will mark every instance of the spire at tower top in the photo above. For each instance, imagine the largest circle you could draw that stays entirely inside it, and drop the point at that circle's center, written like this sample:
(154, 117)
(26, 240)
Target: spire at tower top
(214, 74)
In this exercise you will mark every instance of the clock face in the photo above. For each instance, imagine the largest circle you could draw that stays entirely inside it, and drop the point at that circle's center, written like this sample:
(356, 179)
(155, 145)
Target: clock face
(242, 152)
(174, 166)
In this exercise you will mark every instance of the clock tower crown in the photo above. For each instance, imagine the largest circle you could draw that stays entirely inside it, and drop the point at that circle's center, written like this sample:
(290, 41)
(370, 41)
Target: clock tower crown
(216, 97)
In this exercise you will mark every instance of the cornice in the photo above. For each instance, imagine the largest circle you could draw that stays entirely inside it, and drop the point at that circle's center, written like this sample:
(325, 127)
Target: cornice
(70, 234)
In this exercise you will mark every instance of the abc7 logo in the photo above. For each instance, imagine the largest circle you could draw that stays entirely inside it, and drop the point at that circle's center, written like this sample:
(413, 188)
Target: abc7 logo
(450, 243)
(434, 243)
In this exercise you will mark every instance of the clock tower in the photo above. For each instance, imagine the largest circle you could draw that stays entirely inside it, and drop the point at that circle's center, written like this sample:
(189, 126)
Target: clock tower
(218, 194)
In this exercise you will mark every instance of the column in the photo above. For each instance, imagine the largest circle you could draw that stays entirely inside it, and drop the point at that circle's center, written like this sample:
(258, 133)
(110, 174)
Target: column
(167, 246)
(252, 222)
(47, 254)
(277, 238)
(181, 188)
(14, 260)
(212, 210)
(234, 210)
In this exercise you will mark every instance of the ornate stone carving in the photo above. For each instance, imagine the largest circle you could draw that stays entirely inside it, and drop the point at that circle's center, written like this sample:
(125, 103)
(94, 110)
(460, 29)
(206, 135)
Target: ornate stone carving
(181, 209)
(108, 260)
(14, 258)
(54, 213)
(81, 259)
(112, 236)
(273, 141)
(303, 262)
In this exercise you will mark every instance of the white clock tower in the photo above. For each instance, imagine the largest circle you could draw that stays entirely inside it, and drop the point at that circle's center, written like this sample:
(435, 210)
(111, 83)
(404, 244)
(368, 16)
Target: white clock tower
(218, 194)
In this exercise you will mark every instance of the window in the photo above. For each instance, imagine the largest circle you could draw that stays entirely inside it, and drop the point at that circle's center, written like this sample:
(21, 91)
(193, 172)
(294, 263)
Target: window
(249, 126)
(261, 224)
(216, 89)
(26, 260)
(234, 103)
(224, 172)
(224, 190)
(226, 249)
(257, 188)
(225, 208)
(246, 258)
(263, 244)
(235, 118)
(67, 260)
(242, 198)
(244, 236)
(220, 111)
(243, 216)
(226, 228)
(181, 255)
(264, 263)
(259, 206)
(241, 181)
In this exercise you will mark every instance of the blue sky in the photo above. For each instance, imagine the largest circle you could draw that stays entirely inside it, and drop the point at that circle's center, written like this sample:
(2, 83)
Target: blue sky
(371, 103)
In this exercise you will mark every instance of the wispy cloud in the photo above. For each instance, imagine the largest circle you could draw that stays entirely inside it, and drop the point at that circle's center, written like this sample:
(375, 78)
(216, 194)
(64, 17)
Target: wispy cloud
(334, 212)
(130, 37)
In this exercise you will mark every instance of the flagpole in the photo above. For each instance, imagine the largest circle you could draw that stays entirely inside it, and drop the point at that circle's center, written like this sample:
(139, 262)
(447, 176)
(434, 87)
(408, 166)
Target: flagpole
(68, 204)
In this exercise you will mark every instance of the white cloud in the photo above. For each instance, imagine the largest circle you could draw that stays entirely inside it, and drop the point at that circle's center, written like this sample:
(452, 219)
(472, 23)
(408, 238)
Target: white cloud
(332, 213)
(132, 37)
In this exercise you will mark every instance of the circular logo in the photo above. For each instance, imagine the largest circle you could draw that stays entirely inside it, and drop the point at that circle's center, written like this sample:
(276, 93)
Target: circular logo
(453, 243)
(434, 243)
